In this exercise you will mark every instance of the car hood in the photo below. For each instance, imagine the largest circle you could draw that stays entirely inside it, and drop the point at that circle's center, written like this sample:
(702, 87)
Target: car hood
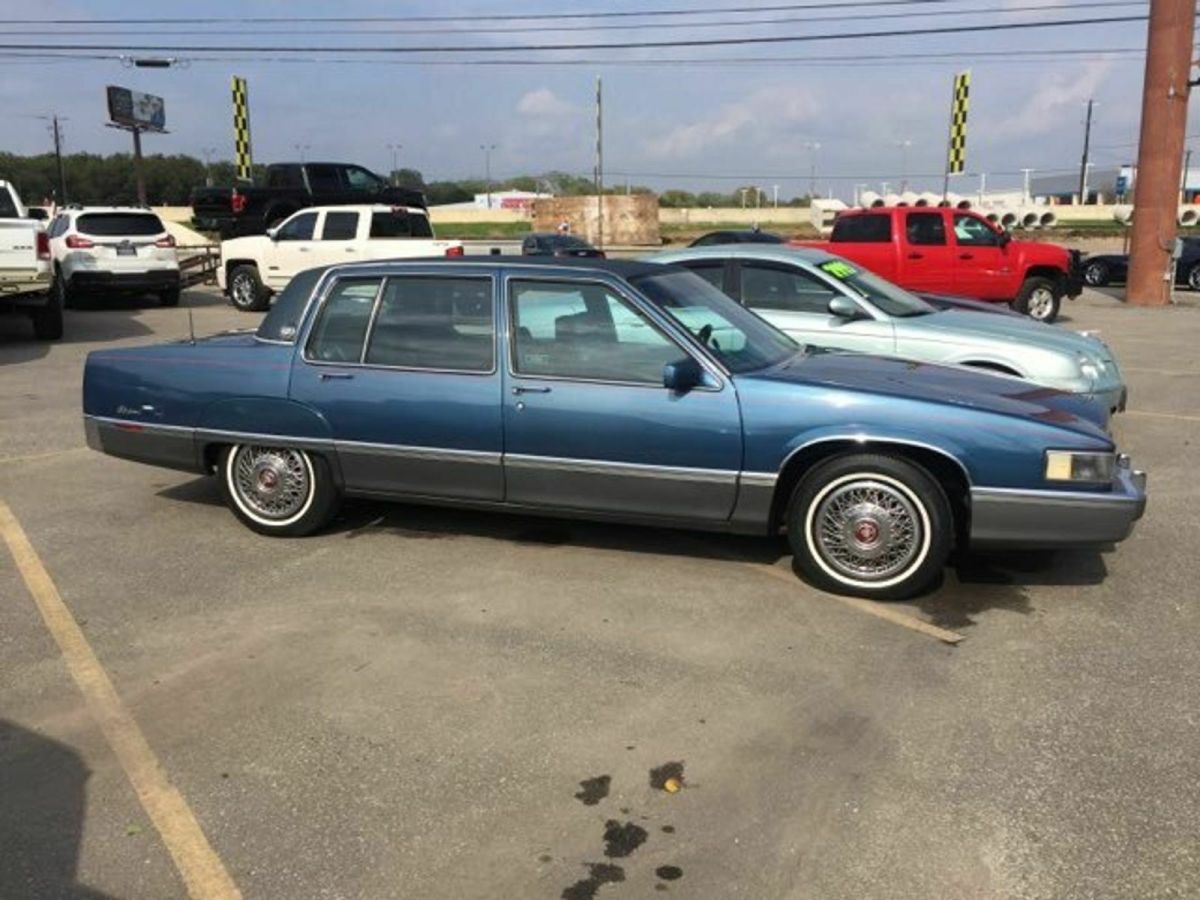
(955, 324)
(948, 385)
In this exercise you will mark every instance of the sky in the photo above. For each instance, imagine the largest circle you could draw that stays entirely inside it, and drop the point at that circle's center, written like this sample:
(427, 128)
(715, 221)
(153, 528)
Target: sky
(666, 124)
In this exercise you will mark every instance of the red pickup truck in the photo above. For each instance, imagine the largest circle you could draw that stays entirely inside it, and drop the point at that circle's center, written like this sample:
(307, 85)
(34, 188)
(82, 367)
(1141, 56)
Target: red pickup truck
(935, 250)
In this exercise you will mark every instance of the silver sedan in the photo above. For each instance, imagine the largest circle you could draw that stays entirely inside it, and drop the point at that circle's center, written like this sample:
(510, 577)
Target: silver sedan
(827, 301)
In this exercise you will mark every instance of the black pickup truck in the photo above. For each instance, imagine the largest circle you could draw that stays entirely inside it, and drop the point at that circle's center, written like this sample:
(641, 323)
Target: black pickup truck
(252, 209)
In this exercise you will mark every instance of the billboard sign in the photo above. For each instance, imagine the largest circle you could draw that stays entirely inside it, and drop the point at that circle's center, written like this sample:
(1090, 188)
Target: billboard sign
(133, 109)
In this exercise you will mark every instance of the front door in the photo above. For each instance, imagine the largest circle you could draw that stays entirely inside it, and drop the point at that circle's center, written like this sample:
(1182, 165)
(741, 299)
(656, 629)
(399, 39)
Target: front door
(983, 269)
(797, 302)
(404, 370)
(588, 424)
(290, 250)
(927, 263)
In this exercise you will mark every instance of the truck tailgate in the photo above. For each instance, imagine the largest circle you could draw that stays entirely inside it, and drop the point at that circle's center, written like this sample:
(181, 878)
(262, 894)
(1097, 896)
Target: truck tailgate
(18, 246)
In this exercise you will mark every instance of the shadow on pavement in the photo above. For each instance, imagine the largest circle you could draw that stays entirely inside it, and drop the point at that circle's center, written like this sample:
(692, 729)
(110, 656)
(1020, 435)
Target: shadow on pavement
(42, 807)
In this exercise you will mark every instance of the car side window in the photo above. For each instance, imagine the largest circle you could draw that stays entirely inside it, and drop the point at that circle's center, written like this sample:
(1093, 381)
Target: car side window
(863, 228)
(972, 232)
(324, 178)
(341, 328)
(297, 228)
(926, 228)
(584, 330)
(434, 323)
(789, 289)
(712, 272)
(339, 226)
(359, 179)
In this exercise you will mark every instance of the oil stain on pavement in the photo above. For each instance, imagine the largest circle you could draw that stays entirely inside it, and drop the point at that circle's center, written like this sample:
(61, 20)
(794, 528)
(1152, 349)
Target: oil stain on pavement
(593, 790)
(599, 874)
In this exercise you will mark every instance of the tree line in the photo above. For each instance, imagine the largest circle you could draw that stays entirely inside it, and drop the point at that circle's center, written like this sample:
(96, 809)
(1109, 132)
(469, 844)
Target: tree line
(109, 180)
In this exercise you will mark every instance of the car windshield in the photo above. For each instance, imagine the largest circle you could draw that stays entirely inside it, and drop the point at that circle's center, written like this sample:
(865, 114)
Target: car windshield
(890, 298)
(737, 337)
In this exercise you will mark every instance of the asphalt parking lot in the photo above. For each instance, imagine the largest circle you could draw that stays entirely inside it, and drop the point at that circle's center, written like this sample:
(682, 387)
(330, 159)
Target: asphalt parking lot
(432, 703)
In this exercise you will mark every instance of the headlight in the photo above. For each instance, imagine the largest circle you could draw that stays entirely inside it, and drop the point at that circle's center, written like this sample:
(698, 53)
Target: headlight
(1072, 465)
(1091, 368)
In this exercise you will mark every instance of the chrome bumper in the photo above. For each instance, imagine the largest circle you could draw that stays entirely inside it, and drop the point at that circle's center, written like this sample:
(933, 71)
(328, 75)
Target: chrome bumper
(1006, 517)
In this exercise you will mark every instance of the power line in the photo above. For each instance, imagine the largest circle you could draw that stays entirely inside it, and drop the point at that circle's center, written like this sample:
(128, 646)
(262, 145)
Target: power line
(621, 26)
(527, 48)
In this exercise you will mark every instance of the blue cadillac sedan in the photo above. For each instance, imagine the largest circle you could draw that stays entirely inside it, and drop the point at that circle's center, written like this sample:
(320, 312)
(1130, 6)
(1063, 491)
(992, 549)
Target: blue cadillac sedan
(611, 390)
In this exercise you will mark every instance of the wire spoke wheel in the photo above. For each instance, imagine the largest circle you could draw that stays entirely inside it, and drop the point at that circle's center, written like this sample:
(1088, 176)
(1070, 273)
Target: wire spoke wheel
(272, 483)
(867, 530)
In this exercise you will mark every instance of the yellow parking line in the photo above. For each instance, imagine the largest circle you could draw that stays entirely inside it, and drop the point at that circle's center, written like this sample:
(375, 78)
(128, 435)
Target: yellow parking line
(1160, 415)
(873, 608)
(201, 869)
(49, 454)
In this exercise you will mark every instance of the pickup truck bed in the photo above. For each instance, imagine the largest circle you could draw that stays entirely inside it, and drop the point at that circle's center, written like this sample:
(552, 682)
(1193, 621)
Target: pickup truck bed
(25, 268)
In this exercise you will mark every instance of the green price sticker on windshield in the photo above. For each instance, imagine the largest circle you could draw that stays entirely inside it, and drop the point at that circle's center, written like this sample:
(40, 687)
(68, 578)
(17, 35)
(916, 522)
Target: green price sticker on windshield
(839, 269)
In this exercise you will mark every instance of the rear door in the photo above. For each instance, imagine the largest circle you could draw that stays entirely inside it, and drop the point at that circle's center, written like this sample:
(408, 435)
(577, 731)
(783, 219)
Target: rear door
(984, 270)
(868, 239)
(404, 370)
(291, 249)
(928, 260)
(796, 301)
(338, 241)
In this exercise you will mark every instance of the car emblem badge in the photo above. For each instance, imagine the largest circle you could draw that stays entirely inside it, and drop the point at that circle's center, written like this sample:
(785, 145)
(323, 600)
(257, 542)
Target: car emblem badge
(866, 532)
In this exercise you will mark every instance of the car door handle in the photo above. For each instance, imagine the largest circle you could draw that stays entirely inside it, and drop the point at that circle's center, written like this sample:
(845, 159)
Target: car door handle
(966, 256)
(330, 376)
(520, 389)
(349, 249)
(916, 256)
(302, 249)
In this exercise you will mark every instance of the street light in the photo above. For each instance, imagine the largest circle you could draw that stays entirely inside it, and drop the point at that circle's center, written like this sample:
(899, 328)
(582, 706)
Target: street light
(487, 169)
(813, 146)
(208, 155)
(395, 148)
(775, 191)
(300, 148)
(904, 145)
(744, 197)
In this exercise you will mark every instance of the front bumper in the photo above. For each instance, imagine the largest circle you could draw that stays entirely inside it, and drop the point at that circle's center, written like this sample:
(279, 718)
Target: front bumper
(1006, 517)
(1072, 282)
(147, 281)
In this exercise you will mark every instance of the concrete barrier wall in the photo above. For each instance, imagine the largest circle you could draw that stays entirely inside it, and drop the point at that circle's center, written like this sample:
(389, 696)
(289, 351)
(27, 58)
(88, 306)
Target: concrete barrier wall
(628, 218)
(686, 215)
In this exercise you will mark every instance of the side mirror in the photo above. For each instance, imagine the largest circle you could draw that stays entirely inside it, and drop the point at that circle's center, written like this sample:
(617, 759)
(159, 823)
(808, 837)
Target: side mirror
(273, 233)
(1005, 239)
(844, 308)
(683, 375)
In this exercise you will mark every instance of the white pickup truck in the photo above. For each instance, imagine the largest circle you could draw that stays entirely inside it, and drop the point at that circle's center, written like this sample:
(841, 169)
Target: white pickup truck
(25, 268)
(257, 266)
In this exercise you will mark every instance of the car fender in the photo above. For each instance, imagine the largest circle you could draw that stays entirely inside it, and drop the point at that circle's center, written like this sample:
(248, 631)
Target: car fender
(265, 420)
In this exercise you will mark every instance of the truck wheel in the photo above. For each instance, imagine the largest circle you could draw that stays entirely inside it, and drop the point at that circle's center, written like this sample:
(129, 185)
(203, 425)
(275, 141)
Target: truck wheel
(871, 525)
(1039, 299)
(48, 320)
(280, 491)
(246, 290)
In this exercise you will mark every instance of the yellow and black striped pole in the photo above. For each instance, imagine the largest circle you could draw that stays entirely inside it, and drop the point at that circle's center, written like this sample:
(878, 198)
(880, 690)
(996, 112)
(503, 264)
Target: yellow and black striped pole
(241, 130)
(956, 148)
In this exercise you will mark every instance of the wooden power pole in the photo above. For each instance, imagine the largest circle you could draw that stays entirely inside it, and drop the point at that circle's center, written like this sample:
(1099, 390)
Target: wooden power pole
(1160, 150)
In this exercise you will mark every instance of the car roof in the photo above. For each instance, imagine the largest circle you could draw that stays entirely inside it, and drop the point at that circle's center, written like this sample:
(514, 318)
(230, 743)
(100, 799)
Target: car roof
(365, 207)
(623, 268)
(87, 210)
(777, 252)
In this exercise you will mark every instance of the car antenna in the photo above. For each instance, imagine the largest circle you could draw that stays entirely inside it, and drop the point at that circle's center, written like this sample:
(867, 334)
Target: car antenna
(191, 330)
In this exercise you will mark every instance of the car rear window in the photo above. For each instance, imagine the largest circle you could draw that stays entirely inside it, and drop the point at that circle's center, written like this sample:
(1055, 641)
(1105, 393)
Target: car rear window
(283, 321)
(119, 224)
(864, 229)
(400, 224)
(8, 209)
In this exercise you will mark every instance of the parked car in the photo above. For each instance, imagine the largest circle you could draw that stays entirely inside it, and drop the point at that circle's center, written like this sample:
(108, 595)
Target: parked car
(953, 251)
(749, 236)
(113, 251)
(613, 390)
(288, 187)
(551, 244)
(254, 268)
(25, 269)
(1113, 268)
(821, 299)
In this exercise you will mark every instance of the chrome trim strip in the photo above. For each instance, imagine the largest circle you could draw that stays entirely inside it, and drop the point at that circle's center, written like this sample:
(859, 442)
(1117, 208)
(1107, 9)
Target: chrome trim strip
(622, 469)
(1037, 495)
(432, 454)
(143, 426)
(866, 439)
(759, 479)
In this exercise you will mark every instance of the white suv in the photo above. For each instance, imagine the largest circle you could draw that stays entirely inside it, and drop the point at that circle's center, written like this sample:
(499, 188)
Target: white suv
(113, 250)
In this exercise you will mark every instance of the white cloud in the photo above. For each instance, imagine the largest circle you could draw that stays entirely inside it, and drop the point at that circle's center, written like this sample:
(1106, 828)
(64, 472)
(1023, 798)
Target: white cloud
(1056, 101)
(766, 115)
(543, 103)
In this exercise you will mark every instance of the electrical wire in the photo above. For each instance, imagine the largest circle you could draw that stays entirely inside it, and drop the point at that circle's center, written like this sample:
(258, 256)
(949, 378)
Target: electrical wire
(625, 45)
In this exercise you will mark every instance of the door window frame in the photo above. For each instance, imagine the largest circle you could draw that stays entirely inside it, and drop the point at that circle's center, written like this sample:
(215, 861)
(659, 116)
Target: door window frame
(315, 316)
(638, 307)
(828, 280)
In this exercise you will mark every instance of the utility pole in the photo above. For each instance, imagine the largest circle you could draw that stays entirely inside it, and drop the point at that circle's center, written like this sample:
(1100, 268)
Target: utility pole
(1083, 164)
(300, 148)
(62, 175)
(487, 170)
(395, 148)
(1187, 167)
(1160, 150)
(599, 165)
(813, 147)
(207, 153)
